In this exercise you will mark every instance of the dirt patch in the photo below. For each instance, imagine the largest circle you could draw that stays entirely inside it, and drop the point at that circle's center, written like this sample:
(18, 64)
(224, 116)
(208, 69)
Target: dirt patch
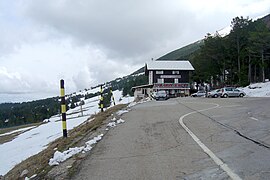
(38, 164)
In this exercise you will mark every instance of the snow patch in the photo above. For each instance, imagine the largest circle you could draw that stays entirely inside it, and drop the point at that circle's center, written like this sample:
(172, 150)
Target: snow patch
(59, 157)
(114, 123)
(120, 112)
(36, 139)
(257, 90)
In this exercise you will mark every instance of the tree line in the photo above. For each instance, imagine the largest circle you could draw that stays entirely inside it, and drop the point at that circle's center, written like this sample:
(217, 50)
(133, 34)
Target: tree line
(238, 59)
(14, 114)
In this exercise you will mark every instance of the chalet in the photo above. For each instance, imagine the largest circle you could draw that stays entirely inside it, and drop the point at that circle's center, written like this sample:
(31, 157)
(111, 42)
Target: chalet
(171, 76)
(142, 91)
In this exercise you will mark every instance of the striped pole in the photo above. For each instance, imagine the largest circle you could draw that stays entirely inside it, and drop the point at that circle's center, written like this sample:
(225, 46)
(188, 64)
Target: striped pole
(112, 96)
(63, 108)
(101, 99)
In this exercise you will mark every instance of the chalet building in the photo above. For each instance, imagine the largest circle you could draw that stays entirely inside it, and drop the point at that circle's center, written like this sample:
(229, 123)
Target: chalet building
(171, 76)
(142, 91)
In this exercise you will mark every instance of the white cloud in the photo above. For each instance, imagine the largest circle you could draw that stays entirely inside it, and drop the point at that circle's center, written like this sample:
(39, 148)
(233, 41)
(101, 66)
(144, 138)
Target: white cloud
(88, 42)
(11, 82)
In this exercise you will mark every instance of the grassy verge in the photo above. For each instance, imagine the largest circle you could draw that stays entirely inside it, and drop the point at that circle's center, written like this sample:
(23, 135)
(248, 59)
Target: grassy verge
(38, 164)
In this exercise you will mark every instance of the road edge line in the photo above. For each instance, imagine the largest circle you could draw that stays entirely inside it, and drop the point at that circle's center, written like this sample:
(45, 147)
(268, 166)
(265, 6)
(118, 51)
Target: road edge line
(218, 161)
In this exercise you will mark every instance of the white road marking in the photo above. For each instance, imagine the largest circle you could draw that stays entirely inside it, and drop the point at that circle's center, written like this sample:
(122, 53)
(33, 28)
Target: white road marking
(253, 118)
(218, 161)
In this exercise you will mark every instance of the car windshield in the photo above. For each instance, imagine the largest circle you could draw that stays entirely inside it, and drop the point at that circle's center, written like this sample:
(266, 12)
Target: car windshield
(161, 92)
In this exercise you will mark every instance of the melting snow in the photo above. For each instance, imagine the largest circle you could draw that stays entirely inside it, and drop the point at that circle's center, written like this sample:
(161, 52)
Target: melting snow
(62, 156)
(257, 90)
(36, 139)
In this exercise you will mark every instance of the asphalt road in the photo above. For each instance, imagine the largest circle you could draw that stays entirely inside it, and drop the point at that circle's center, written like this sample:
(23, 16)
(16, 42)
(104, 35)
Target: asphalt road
(222, 139)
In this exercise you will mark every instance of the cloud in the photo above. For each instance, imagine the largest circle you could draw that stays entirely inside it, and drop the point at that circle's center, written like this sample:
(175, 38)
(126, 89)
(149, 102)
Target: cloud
(87, 42)
(130, 28)
(122, 29)
(17, 83)
(10, 81)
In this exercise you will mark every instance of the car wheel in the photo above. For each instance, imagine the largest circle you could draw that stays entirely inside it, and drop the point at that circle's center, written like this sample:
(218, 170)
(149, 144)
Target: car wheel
(225, 95)
(215, 96)
(241, 95)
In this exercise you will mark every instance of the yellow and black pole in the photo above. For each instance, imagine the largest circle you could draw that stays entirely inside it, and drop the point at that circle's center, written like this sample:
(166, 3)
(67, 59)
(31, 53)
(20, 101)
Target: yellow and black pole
(112, 96)
(63, 108)
(101, 99)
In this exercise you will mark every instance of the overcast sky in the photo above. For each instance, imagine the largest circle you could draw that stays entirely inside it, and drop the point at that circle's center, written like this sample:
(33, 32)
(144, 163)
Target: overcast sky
(86, 42)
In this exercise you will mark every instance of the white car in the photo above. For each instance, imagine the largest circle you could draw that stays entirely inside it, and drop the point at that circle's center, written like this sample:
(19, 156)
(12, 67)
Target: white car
(231, 92)
(199, 94)
(214, 94)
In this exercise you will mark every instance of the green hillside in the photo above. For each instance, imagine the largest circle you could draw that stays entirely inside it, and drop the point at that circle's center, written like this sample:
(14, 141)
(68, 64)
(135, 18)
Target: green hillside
(184, 52)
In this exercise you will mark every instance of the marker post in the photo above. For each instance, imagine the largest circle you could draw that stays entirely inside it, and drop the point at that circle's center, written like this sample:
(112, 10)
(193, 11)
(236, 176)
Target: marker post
(63, 108)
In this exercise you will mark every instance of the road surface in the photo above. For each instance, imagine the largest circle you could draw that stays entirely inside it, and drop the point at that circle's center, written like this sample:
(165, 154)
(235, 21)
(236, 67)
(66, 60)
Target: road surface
(222, 139)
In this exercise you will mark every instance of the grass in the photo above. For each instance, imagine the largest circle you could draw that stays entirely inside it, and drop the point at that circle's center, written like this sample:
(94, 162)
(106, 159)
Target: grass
(38, 164)
(7, 138)
(10, 137)
(5, 130)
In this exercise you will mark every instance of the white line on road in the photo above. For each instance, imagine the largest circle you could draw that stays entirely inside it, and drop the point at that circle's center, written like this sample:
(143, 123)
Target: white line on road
(253, 118)
(218, 161)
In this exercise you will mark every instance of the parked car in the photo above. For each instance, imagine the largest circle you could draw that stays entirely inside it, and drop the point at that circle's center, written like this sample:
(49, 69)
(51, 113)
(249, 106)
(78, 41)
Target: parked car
(232, 92)
(161, 95)
(199, 94)
(214, 94)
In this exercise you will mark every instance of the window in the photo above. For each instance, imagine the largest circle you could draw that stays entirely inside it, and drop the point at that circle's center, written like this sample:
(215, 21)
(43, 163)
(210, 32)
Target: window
(160, 80)
(168, 80)
(228, 89)
(175, 80)
(175, 72)
(159, 72)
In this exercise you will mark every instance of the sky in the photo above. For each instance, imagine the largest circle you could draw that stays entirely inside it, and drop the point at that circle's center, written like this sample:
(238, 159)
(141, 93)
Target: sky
(87, 42)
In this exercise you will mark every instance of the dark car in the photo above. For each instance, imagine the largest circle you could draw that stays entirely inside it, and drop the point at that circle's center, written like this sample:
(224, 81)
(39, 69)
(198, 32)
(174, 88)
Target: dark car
(161, 95)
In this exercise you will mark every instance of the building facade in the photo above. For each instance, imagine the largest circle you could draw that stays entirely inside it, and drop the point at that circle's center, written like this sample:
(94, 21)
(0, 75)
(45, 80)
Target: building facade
(142, 91)
(171, 76)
